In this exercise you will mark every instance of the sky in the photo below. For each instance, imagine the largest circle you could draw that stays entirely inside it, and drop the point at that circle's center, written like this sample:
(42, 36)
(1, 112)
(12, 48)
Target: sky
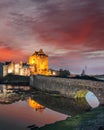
(71, 32)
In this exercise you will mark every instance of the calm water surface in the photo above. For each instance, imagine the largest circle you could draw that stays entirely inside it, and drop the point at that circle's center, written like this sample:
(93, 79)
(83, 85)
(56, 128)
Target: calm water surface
(18, 110)
(21, 107)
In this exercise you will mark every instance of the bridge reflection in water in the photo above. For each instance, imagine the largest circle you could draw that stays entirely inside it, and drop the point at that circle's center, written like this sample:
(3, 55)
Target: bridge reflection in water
(18, 109)
(10, 94)
(15, 96)
(66, 105)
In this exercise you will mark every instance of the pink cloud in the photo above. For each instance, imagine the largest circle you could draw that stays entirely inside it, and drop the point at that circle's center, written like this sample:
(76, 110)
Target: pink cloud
(68, 31)
(8, 54)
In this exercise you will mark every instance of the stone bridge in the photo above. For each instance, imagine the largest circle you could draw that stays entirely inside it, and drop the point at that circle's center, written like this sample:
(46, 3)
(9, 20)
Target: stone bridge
(67, 87)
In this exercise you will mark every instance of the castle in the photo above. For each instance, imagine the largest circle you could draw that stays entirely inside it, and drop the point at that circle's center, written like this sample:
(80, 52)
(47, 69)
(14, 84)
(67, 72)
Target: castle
(38, 63)
(16, 68)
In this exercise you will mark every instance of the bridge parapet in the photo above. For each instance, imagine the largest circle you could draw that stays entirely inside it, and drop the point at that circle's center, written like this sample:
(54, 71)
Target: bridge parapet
(67, 87)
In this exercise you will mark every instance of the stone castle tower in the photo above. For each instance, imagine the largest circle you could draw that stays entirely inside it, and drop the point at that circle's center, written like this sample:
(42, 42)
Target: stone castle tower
(39, 63)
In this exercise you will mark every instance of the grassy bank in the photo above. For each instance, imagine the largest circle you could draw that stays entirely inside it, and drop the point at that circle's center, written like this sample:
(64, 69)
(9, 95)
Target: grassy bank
(93, 120)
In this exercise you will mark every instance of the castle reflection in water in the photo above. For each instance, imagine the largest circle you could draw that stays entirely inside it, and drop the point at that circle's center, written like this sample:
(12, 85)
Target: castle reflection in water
(20, 108)
(39, 101)
(10, 94)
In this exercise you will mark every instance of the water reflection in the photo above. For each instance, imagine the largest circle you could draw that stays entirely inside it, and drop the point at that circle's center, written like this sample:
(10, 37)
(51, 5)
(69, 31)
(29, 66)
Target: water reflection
(19, 111)
(10, 94)
(61, 104)
(29, 108)
(10, 89)
(35, 105)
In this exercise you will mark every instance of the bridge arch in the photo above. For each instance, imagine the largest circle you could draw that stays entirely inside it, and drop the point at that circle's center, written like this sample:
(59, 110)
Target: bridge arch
(67, 87)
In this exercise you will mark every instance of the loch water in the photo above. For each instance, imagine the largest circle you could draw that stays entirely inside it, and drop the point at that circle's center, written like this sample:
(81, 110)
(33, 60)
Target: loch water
(22, 108)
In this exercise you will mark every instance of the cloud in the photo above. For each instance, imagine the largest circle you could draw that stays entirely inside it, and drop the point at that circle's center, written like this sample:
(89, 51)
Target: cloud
(95, 54)
(55, 23)
(69, 31)
(9, 54)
